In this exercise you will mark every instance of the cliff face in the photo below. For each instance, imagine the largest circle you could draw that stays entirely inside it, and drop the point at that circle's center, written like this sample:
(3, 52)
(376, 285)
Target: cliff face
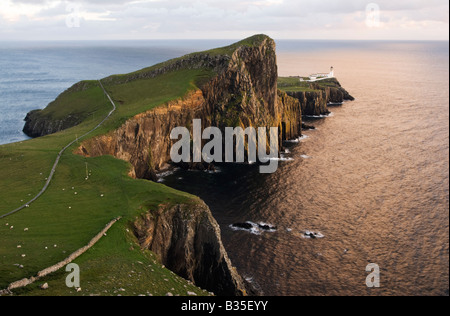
(244, 93)
(312, 102)
(337, 94)
(187, 240)
(291, 116)
(144, 140)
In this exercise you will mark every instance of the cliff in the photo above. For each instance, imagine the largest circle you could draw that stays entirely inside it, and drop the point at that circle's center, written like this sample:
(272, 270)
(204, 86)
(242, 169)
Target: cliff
(187, 240)
(243, 93)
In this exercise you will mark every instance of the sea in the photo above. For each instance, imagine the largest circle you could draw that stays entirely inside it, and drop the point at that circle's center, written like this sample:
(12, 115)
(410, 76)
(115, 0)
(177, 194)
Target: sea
(364, 197)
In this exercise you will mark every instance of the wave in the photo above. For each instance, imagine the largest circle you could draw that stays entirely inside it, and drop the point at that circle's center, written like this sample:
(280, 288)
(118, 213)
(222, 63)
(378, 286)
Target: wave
(216, 170)
(331, 114)
(162, 175)
(297, 140)
(282, 158)
(254, 228)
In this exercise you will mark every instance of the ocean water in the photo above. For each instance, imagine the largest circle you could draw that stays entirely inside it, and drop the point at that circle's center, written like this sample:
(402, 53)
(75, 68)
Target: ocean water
(372, 180)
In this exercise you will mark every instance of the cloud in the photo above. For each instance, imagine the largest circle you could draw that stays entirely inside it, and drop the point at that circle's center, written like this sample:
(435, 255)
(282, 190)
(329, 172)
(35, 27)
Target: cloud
(134, 19)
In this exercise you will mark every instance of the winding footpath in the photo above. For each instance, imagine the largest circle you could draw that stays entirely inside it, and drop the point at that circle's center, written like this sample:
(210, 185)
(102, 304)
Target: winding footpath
(58, 158)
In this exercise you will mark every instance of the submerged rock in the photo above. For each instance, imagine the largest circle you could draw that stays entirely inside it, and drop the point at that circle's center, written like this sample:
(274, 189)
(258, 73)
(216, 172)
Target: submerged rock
(255, 228)
(267, 227)
(312, 235)
(246, 226)
(308, 127)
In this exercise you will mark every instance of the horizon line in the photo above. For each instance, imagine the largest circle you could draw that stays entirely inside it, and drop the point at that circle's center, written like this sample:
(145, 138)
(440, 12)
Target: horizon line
(218, 39)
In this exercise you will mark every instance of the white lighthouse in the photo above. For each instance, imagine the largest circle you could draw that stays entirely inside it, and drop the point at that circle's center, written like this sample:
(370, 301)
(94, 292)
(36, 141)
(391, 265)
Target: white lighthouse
(331, 75)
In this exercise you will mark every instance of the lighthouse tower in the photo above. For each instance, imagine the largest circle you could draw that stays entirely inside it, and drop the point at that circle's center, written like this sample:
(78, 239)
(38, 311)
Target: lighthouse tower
(331, 75)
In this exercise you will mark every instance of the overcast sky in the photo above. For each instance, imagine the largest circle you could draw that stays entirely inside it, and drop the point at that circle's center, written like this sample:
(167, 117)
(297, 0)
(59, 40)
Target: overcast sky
(223, 19)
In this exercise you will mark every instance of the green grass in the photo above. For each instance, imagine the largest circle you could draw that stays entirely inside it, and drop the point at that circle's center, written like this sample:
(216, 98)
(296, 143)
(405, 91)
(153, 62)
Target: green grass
(131, 272)
(82, 101)
(293, 84)
(332, 82)
(138, 96)
(221, 51)
(70, 220)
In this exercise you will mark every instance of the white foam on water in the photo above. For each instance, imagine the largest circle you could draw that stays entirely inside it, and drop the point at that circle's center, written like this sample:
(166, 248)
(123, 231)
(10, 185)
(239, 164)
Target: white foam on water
(162, 175)
(297, 140)
(282, 158)
(320, 116)
(254, 230)
(216, 170)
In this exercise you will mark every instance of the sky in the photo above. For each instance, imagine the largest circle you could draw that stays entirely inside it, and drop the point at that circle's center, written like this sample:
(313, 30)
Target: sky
(224, 19)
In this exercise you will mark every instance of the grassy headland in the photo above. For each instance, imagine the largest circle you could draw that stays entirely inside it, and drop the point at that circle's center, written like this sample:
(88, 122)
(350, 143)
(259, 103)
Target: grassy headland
(85, 194)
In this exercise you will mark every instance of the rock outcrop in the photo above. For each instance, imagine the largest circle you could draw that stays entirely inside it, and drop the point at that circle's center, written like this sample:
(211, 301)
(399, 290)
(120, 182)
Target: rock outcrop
(187, 239)
(315, 101)
(37, 125)
(335, 93)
